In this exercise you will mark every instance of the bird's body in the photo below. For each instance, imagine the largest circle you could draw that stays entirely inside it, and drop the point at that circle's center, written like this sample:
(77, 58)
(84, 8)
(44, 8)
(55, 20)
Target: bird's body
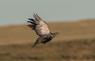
(41, 29)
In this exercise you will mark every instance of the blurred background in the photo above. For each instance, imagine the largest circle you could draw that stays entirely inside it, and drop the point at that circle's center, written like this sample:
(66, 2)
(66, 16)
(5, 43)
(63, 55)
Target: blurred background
(73, 19)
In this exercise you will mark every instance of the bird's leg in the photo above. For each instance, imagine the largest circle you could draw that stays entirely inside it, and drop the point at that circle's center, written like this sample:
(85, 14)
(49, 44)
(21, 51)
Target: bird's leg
(41, 39)
(37, 41)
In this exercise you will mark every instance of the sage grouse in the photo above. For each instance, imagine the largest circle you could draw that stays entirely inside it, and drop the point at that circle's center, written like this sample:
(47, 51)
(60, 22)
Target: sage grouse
(41, 29)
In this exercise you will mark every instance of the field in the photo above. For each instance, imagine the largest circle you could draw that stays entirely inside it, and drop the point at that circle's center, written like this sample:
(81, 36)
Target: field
(75, 42)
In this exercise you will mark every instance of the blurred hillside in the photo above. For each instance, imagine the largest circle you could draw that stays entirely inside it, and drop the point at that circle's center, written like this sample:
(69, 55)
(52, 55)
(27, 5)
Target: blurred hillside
(67, 31)
(76, 42)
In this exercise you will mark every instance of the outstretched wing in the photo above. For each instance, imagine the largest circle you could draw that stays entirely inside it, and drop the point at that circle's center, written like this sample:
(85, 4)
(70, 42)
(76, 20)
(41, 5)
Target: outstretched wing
(39, 25)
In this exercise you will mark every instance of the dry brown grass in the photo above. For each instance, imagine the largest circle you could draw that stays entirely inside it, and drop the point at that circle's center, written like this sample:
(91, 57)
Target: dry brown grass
(76, 42)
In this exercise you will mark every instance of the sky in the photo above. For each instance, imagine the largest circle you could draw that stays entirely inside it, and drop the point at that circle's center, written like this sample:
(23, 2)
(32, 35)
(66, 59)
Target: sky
(17, 11)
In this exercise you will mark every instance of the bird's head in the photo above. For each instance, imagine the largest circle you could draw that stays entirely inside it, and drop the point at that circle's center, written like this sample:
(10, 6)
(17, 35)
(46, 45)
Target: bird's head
(54, 34)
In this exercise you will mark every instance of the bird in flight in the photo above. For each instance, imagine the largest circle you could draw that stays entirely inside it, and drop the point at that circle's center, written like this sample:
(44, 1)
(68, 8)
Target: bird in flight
(42, 30)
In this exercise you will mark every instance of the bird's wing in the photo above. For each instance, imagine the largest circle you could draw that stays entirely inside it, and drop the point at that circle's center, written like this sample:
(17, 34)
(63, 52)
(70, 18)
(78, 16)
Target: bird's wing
(39, 19)
(38, 24)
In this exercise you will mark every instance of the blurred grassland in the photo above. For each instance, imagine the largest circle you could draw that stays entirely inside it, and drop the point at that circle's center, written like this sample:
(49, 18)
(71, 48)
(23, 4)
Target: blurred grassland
(75, 42)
